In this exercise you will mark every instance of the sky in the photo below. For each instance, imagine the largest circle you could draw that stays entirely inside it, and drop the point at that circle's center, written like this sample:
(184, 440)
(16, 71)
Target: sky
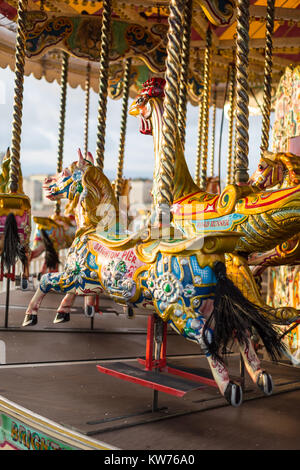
(39, 139)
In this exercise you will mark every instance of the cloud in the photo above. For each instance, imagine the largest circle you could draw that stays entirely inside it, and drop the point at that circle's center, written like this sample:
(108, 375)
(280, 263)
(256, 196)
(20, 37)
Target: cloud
(39, 142)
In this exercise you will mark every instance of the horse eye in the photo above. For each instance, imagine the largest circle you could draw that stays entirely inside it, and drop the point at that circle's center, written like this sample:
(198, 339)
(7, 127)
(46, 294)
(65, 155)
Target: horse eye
(260, 167)
(140, 100)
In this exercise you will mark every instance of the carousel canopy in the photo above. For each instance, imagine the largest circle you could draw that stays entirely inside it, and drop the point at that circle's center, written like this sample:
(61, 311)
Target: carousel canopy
(139, 31)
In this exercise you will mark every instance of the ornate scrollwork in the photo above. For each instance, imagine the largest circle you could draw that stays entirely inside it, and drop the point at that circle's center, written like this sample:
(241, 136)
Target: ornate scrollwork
(219, 12)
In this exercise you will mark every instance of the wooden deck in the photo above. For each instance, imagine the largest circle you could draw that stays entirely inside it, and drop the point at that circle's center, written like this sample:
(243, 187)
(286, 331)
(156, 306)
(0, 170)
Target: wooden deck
(50, 383)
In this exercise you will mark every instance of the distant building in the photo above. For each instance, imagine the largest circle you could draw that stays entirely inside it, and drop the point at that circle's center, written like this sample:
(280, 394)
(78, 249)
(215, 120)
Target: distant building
(140, 193)
(33, 188)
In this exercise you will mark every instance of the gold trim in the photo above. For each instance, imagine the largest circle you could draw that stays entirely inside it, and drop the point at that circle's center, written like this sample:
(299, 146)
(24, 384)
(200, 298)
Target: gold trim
(51, 428)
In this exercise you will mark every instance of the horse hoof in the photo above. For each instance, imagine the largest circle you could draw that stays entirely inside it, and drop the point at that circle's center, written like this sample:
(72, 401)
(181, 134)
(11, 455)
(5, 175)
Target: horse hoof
(265, 383)
(61, 317)
(89, 311)
(24, 284)
(30, 320)
(234, 394)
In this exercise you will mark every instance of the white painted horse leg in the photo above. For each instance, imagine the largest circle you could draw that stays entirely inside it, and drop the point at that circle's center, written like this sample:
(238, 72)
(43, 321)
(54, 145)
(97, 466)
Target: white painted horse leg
(63, 311)
(89, 305)
(252, 363)
(33, 307)
(229, 389)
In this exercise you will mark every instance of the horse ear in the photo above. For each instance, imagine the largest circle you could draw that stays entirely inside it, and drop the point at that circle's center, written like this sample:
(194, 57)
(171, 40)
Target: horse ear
(90, 158)
(270, 155)
(80, 158)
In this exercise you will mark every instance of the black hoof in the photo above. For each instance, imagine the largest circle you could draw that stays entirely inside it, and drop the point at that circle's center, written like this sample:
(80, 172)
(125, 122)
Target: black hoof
(265, 383)
(30, 320)
(234, 394)
(61, 317)
(39, 276)
(24, 283)
(89, 311)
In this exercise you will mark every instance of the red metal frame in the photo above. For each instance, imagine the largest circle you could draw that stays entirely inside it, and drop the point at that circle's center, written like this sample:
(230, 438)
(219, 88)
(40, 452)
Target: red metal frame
(151, 364)
(10, 276)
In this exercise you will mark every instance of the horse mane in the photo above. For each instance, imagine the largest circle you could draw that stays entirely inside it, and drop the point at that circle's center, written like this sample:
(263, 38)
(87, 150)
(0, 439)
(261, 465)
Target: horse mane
(97, 191)
(291, 162)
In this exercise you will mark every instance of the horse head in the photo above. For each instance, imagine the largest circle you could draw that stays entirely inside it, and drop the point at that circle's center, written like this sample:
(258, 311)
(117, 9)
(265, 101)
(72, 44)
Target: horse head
(89, 192)
(68, 182)
(142, 105)
(276, 169)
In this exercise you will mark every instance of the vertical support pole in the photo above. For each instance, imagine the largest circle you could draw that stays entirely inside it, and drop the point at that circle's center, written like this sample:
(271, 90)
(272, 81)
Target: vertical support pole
(242, 372)
(206, 99)
(103, 81)
(87, 109)
(124, 113)
(149, 344)
(165, 179)
(229, 177)
(184, 70)
(199, 143)
(267, 75)
(62, 118)
(213, 136)
(234, 154)
(242, 89)
(14, 169)
(7, 299)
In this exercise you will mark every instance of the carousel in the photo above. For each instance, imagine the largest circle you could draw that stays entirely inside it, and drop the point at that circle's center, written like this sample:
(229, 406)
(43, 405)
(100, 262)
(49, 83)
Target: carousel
(210, 272)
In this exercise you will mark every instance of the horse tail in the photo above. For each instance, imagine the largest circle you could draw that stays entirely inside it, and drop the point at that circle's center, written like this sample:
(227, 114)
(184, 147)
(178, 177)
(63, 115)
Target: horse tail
(12, 247)
(234, 317)
(51, 256)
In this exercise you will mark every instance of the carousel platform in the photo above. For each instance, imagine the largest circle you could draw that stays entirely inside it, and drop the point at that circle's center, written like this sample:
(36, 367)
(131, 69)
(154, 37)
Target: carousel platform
(53, 395)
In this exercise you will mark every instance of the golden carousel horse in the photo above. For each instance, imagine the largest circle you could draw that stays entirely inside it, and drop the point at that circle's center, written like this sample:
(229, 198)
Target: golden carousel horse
(183, 280)
(281, 170)
(264, 219)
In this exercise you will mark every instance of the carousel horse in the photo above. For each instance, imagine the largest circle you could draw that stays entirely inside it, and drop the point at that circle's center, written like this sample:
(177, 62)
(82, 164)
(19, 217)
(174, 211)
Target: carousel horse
(58, 232)
(15, 224)
(263, 218)
(52, 234)
(183, 281)
(281, 170)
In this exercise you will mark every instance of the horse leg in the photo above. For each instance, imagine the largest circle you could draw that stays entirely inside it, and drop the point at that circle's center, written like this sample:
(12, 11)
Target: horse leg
(89, 305)
(32, 309)
(25, 273)
(252, 363)
(43, 271)
(230, 390)
(48, 282)
(63, 311)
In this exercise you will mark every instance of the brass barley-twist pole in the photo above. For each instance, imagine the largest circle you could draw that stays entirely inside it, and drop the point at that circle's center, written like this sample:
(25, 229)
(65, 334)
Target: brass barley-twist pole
(268, 75)
(61, 129)
(229, 178)
(103, 81)
(184, 70)
(213, 136)
(198, 157)
(205, 116)
(165, 178)
(87, 109)
(14, 170)
(124, 113)
(242, 90)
